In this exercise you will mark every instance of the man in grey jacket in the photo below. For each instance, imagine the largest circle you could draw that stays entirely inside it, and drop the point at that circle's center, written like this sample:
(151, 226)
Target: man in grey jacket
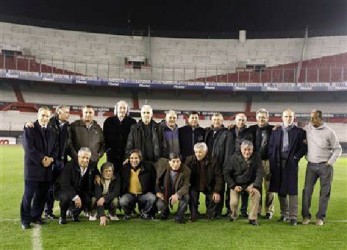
(323, 149)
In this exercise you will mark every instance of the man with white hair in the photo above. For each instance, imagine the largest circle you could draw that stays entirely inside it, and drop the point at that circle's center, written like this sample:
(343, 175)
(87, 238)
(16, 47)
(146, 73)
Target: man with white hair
(75, 186)
(171, 133)
(219, 141)
(286, 148)
(244, 174)
(147, 136)
(207, 178)
(116, 130)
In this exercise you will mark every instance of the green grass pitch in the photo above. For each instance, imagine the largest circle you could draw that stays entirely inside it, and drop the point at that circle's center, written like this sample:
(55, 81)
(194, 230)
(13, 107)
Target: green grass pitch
(203, 234)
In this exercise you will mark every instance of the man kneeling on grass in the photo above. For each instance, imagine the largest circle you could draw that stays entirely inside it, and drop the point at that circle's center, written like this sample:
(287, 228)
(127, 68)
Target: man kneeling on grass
(75, 186)
(172, 185)
(106, 194)
(244, 173)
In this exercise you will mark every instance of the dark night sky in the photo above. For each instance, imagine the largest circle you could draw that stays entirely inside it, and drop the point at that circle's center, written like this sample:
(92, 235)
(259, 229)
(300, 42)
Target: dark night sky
(184, 15)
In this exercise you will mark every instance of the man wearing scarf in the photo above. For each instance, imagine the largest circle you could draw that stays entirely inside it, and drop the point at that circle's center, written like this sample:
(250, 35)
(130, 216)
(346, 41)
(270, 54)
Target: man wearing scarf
(286, 147)
(172, 186)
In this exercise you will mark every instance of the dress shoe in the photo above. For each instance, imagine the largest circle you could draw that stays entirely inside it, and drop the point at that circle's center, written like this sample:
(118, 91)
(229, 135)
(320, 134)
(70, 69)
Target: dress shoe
(62, 221)
(25, 226)
(253, 222)
(282, 219)
(180, 220)
(268, 216)
(244, 214)
(127, 217)
(293, 222)
(39, 222)
(51, 217)
(75, 218)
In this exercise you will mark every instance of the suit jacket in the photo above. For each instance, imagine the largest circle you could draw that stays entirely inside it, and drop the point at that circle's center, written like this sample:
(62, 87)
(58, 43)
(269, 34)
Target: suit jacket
(188, 138)
(136, 140)
(63, 137)
(284, 179)
(182, 182)
(252, 135)
(223, 146)
(36, 146)
(214, 175)
(71, 183)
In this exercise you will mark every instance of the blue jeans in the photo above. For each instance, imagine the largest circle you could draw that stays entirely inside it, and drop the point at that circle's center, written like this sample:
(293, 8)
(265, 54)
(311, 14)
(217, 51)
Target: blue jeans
(145, 201)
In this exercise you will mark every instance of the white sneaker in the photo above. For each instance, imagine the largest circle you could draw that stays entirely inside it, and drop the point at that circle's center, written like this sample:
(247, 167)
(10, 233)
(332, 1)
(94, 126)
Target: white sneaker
(319, 222)
(92, 217)
(306, 221)
(114, 218)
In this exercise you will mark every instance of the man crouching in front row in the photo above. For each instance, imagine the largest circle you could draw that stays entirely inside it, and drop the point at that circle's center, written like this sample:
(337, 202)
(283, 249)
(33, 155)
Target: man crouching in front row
(172, 186)
(75, 186)
(244, 173)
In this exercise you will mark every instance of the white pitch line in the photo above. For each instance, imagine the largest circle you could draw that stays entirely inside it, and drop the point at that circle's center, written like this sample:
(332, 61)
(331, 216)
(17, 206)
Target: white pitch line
(36, 238)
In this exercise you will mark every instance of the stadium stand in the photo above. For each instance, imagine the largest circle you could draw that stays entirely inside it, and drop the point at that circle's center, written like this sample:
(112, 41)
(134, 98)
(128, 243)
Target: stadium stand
(7, 94)
(226, 103)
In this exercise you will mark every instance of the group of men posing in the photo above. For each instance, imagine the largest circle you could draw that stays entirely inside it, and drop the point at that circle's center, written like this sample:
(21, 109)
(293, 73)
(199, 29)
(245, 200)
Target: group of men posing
(158, 165)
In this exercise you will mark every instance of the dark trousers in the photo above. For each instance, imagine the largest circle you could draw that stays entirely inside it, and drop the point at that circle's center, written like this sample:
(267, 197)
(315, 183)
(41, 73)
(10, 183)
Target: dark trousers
(33, 201)
(244, 202)
(194, 202)
(164, 207)
(66, 203)
(58, 167)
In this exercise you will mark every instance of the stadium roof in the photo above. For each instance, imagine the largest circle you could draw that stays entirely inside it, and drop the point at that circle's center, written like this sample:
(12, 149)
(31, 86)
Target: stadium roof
(184, 18)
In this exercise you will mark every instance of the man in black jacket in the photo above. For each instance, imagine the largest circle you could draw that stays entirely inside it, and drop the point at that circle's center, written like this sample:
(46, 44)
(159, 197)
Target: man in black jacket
(260, 134)
(244, 173)
(220, 144)
(116, 130)
(60, 124)
(206, 177)
(147, 136)
(75, 186)
(138, 180)
(190, 134)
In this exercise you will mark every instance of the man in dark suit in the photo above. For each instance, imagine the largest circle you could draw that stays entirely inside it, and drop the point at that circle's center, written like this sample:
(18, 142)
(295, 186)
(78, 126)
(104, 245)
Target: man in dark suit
(286, 147)
(116, 130)
(40, 148)
(190, 134)
(75, 186)
(260, 135)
